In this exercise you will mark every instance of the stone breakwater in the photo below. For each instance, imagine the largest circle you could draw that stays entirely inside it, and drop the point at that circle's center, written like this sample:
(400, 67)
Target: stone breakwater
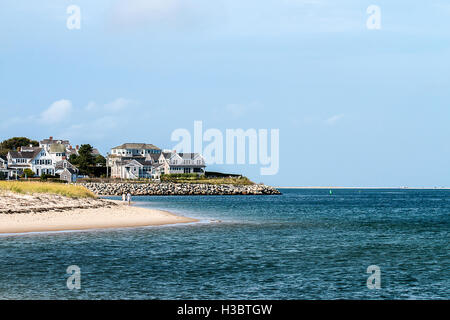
(150, 189)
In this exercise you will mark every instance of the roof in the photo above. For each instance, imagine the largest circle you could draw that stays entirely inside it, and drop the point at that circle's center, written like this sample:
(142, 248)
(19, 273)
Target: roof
(72, 171)
(24, 154)
(188, 155)
(60, 164)
(144, 162)
(29, 148)
(154, 156)
(137, 146)
(57, 148)
(52, 141)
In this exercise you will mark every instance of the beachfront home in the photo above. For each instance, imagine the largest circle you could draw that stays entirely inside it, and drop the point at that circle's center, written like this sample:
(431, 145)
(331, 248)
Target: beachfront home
(139, 160)
(173, 162)
(133, 160)
(22, 159)
(41, 160)
(132, 169)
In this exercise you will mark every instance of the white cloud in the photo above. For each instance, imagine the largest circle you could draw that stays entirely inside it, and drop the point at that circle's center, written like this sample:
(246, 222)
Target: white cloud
(58, 111)
(91, 106)
(119, 104)
(334, 119)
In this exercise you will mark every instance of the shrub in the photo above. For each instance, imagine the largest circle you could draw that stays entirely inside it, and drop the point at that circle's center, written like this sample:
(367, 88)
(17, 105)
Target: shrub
(28, 173)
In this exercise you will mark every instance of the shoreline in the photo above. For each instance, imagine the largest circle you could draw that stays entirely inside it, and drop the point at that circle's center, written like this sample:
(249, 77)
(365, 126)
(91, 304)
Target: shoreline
(108, 214)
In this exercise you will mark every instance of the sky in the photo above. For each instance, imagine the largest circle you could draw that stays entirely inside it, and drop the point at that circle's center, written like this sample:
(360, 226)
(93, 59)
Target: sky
(353, 106)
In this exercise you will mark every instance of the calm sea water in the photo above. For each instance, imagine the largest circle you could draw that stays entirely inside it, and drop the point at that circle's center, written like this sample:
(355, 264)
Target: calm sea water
(305, 244)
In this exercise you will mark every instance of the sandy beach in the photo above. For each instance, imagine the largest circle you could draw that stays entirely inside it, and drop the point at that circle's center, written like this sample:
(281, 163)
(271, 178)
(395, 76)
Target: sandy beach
(34, 213)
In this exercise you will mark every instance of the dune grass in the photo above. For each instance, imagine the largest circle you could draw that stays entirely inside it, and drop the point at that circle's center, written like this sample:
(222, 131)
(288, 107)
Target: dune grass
(28, 187)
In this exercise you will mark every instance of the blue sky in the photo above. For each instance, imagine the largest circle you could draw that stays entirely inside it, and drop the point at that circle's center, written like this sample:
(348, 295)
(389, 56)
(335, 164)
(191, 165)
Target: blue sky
(354, 107)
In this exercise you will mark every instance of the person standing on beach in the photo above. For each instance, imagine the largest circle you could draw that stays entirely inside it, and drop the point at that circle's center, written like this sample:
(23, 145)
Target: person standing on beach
(129, 198)
(123, 197)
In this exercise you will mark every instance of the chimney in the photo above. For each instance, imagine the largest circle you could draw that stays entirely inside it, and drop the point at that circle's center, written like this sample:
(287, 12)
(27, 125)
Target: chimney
(51, 138)
(70, 147)
(77, 147)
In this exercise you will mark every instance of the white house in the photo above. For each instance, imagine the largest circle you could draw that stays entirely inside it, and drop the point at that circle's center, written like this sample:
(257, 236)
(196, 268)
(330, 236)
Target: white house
(43, 163)
(174, 162)
(133, 160)
(38, 159)
(21, 160)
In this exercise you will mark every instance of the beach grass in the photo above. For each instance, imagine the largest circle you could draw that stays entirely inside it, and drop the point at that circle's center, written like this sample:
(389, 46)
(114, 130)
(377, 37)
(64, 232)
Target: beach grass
(29, 187)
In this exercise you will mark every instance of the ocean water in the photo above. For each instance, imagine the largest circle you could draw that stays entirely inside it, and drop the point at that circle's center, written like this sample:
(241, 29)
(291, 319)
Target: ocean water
(304, 244)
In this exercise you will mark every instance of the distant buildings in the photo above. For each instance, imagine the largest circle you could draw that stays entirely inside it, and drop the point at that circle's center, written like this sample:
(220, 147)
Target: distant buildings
(127, 161)
(140, 160)
(41, 160)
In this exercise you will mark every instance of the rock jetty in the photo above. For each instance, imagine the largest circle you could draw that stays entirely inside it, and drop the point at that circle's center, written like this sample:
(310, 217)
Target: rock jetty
(150, 189)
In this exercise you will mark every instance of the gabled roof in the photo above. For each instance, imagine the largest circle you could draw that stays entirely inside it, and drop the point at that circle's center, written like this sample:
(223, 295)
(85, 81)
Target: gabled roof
(60, 165)
(132, 163)
(137, 146)
(24, 154)
(153, 156)
(188, 156)
(144, 162)
(72, 171)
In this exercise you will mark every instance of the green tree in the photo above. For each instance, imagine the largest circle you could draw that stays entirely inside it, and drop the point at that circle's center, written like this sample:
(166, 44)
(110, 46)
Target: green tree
(73, 159)
(100, 160)
(14, 143)
(85, 160)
